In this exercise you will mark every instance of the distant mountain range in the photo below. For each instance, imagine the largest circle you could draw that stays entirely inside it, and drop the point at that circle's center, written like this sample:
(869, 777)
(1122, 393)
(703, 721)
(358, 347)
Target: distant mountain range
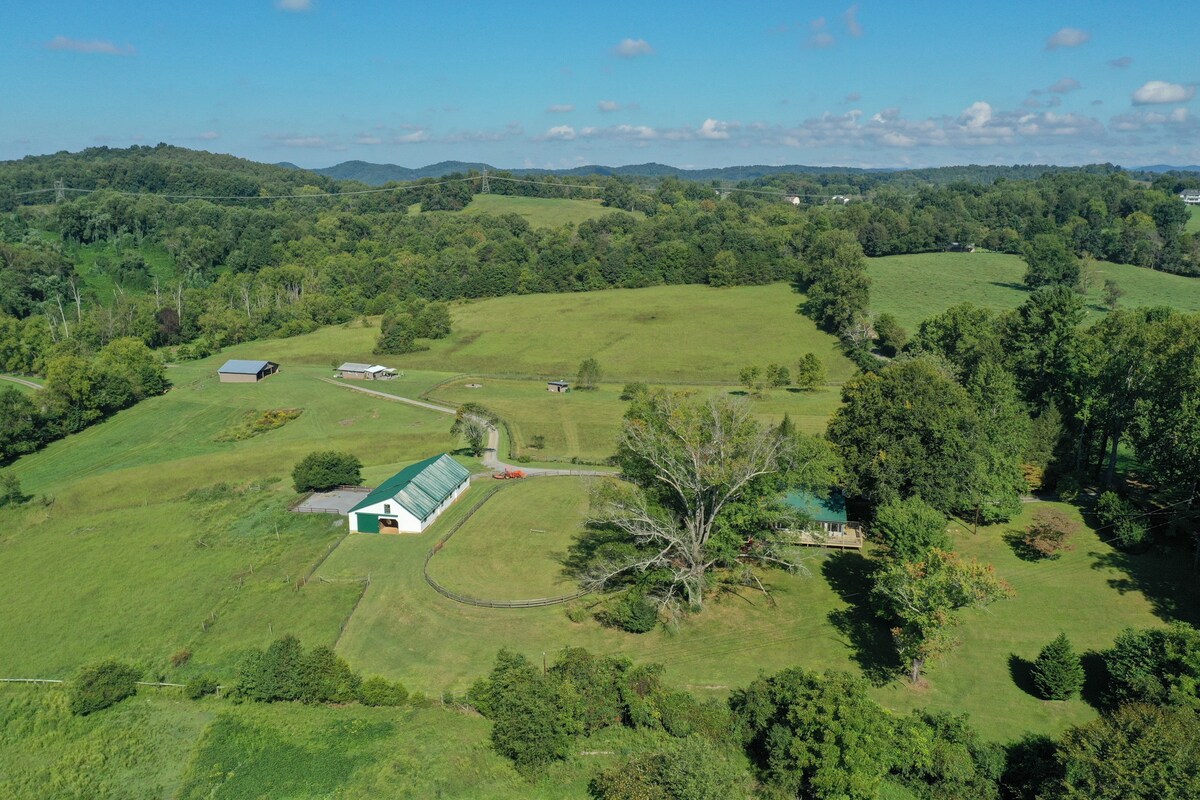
(379, 174)
(1165, 168)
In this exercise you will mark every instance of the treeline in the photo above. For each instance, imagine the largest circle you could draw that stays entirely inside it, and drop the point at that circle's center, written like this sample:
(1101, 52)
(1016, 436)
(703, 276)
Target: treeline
(80, 390)
(249, 269)
(802, 734)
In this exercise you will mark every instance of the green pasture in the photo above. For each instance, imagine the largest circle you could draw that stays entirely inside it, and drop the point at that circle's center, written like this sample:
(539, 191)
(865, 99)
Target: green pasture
(584, 424)
(513, 547)
(916, 287)
(157, 745)
(664, 334)
(147, 536)
(4, 384)
(1193, 224)
(542, 212)
(404, 630)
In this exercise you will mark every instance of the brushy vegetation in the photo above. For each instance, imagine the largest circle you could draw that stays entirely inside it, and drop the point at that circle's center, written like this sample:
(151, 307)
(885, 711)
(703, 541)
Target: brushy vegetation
(98, 686)
(259, 422)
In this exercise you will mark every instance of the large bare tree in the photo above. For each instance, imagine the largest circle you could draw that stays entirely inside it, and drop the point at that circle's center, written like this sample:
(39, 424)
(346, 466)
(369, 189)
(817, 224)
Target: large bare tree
(689, 461)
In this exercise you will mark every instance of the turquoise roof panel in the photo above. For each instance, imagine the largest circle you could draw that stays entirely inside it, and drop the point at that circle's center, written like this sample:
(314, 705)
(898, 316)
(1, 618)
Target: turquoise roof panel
(421, 487)
(818, 509)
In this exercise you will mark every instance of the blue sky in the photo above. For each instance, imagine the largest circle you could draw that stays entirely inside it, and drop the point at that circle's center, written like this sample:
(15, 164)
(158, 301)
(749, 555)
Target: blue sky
(556, 84)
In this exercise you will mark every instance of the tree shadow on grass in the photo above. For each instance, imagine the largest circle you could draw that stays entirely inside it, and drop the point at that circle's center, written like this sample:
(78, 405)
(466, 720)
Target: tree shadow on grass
(1015, 539)
(1021, 670)
(1095, 680)
(1163, 575)
(869, 637)
(1020, 287)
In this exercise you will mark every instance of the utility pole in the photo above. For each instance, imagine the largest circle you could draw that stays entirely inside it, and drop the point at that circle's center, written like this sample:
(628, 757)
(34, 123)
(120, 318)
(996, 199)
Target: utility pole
(60, 193)
(484, 188)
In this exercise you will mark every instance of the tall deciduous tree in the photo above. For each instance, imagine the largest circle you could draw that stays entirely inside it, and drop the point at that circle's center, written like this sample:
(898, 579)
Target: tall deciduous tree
(835, 280)
(589, 373)
(910, 528)
(692, 461)
(924, 596)
(1050, 262)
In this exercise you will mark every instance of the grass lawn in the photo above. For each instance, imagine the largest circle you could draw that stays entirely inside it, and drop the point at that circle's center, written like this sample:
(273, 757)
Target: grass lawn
(148, 536)
(1193, 224)
(584, 424)
(513, 547)
(404, 630)
(916, 287)
(20, 387)
(665, 334)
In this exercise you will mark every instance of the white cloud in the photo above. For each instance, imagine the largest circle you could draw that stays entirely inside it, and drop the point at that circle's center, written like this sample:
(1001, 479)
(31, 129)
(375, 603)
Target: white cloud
(1122, 62)
(303, 141)
(632, 48)
(821, 40)
(368, 139)
(561, 108)
(97, 46)
(853, 97)
(1063, 86)
(208, 136)
(850, 17)
(294, 5)
(1067, 37)
(608, 106)
(976, 115)
(1153, 92)
(419, 135)
(563, 133)
(715, 129)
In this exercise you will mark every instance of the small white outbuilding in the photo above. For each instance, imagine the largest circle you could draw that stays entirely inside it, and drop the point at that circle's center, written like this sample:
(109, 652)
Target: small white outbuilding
(410, 500)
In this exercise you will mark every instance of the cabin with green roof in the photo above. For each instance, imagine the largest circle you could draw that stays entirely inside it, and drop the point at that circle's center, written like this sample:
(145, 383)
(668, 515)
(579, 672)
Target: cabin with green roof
(828, 524)
(410, 500)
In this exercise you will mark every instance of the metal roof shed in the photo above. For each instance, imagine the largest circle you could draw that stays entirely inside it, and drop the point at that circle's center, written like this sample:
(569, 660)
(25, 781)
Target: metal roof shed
(237, 370)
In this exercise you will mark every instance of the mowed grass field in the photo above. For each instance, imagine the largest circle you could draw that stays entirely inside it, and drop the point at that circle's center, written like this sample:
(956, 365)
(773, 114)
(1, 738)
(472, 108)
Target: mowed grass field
(514, 546)
(404, 630)
(916, 287)
(584, 424)
(1193, 225)
(148, 536)
(662, 334)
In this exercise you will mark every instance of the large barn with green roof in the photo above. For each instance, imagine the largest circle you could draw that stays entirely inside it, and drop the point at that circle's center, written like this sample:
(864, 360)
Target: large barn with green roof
(410, 500)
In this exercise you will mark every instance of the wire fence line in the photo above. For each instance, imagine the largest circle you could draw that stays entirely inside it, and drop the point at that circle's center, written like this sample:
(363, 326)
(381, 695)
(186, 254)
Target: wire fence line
(479, 601)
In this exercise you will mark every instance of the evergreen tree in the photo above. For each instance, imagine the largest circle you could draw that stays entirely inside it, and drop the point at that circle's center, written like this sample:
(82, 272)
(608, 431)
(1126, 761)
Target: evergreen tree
(1058, 672)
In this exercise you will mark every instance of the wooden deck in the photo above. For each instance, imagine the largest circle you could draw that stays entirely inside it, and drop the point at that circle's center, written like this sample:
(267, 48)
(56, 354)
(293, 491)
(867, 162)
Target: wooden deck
(852, 539)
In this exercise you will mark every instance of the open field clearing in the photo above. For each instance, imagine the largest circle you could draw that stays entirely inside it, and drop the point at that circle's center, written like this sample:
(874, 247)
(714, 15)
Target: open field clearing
(542, 212)
(404, 630)
(158, 745)
(916, 287)
(1193, 225)
(671, 334)
(148, 536)
(584, 424)
(513, 547)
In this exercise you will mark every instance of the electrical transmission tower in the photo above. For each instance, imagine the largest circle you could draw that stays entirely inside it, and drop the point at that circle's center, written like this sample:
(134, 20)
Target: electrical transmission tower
(484, 189)
(60, 192)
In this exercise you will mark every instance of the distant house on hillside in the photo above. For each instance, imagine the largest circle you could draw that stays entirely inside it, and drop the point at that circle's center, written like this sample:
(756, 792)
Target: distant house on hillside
(364, 372)
(793, 199)
(410, 500)
(558, 386)
(960, 247)
(237, 370)
(1191, 197)
(840, 199)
